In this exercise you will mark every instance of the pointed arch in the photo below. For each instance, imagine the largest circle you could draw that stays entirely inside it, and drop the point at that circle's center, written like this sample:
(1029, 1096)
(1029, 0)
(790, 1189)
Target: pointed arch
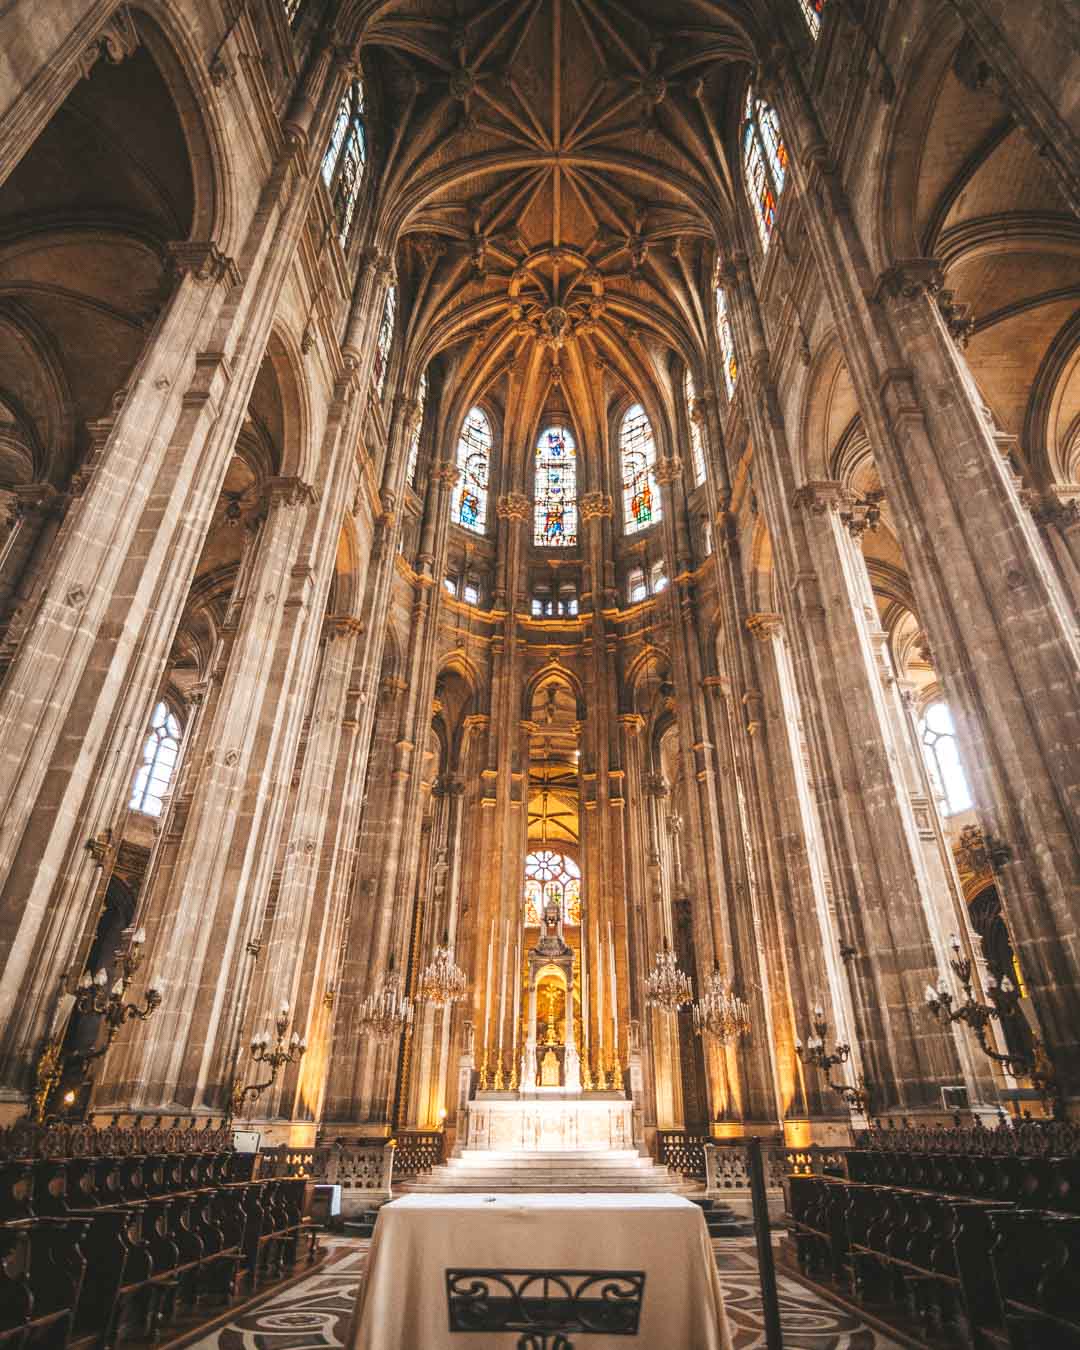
(469, 504)
(637, 458)
(555, 482)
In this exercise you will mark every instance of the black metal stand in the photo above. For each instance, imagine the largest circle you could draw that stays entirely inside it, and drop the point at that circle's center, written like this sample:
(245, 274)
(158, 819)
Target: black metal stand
(544, 1305)
(770, 1302)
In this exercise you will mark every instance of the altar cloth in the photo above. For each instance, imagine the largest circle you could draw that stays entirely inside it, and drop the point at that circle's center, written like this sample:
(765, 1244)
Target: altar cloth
(402, 1304)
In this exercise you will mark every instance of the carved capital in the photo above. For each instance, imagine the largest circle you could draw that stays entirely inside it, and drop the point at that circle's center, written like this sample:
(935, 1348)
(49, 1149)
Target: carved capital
(288, 492)
(338, 626)
(595, 506)
(668, 470)
(909, 278)
(821, 496)
(512, 506)
(204, 261)
(764, 626)
(116, 42)
(444, 474)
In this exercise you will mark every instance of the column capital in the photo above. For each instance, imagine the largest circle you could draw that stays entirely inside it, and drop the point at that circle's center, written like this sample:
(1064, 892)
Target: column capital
(202, 260)
(595, 506)
(512, 506)
(342, 626)
(288, 491)
(764, 625)
(821, 496)
(909, 278)
(631, 723)
(445, 473)
(668, 470)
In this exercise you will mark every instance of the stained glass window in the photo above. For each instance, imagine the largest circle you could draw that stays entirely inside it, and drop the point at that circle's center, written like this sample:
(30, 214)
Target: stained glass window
(555, 510)
(469, 506)
(727, 343)
(765, 162)
(155, 772)
(812, 10)
(641, 500)
(552, 876)
(414, 444)
(293, 10)
(697, 441)
(385, 340)
(943, 758)
(343, 163)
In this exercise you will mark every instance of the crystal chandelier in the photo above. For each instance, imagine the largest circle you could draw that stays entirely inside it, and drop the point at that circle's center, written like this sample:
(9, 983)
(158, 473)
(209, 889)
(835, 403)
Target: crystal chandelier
(719, 1012)
(386, 1012)
(667, 988)
(443, 982)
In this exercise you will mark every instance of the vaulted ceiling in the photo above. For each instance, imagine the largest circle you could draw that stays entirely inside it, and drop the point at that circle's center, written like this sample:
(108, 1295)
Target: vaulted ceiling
(558, 172)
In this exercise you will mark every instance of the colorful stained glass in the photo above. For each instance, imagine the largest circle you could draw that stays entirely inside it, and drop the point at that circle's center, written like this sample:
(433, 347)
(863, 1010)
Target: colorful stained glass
(385, 340)
(346, 155)
(812, 11)
(555, 509)
(727, 343)
(697, 441)
(641, 501)
(551, 876)
(414, 444)
(469, 502)
(765, 163)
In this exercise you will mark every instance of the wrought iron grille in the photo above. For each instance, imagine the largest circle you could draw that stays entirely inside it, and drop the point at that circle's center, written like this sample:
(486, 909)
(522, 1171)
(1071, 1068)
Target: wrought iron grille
(546, 1305)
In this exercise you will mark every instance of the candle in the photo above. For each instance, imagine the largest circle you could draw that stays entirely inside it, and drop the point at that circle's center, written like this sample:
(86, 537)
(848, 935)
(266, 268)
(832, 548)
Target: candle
(504, 956)
(487, 988)
(517, 992)
(600, 1004)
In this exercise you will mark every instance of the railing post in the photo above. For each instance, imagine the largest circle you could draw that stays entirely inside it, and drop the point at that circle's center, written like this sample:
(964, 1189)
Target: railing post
(770, 1303)
(388, 1168)
(711, 1186)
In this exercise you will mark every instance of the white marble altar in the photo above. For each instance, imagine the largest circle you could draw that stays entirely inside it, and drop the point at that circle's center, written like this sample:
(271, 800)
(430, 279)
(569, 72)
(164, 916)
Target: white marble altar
(549, 1120)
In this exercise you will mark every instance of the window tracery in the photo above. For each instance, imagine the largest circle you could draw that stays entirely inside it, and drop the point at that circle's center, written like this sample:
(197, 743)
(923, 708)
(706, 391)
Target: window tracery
(551, 876)
(385, 340)
(414, 444)
(697, 443)
(942, 755)
(641, 501)
(469, 503)
(555, 510)
(160, 751)
(345, 158)
(812, 11)
(727, 343)
(765, 162)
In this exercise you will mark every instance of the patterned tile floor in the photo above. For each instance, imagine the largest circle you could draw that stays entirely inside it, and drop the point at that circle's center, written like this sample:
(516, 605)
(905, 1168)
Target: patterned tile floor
(314, 1314)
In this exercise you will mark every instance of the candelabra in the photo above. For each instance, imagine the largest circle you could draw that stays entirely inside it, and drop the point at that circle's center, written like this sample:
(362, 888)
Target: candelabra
(814, 1052)
(1004, 1002)
(94, 996)
(388, 1010)
(719, 1012)
(274, 1059)
(443, 982)
(667, 987)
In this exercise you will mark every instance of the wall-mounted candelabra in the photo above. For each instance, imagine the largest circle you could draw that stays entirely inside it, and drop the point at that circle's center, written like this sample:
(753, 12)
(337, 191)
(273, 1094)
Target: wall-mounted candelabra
(94, 996)
(261, 1053)
(814, 1053)
(1004, 1003)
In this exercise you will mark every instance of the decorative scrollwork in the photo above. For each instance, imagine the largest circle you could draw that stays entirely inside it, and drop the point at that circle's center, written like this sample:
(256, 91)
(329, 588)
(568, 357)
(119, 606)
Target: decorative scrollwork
(545, 1305)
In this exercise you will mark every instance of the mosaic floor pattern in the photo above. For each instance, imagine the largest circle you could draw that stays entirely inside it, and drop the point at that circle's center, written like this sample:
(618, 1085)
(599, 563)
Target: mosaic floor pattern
(314, 1314)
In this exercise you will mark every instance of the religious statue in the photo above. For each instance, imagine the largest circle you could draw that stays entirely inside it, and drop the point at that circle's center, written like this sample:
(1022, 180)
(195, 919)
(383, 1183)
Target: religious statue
(549, 1070)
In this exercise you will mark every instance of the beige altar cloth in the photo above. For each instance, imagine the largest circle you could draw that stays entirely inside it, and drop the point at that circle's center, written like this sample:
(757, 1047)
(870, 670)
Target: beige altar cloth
(402, 1303)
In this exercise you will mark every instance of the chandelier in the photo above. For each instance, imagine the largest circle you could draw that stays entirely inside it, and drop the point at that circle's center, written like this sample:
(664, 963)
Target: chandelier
(386, 1012)
(443, 982)
(719, 1012)
(667, 988)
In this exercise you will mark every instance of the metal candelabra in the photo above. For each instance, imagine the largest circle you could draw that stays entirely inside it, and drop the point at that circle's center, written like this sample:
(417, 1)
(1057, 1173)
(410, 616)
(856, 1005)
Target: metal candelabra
(814, 1053)
(274, 1059)
(1004, 1002)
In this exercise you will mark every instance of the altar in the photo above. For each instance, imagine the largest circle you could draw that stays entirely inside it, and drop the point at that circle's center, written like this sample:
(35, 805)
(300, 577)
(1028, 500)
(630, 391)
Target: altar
(546, 1121)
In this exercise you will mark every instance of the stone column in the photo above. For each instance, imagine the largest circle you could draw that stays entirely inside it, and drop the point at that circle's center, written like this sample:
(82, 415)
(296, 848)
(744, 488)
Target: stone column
(200, 907)
(1002, 630)
(35, 515)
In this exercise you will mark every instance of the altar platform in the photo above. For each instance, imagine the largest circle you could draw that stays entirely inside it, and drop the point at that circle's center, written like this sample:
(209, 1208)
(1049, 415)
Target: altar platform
(549, 1119)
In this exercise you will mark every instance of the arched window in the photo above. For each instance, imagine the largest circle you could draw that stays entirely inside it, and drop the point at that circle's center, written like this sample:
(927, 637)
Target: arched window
(343, 163)
(552, 876)
(414, 444)
(727, 342)
(641, 501)
(697, 442)
(812, 14)
(160, 750)
(764, 162)
(943, 758)
(469, 506)
(293, 10)
(555, 510)
(385, 340)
